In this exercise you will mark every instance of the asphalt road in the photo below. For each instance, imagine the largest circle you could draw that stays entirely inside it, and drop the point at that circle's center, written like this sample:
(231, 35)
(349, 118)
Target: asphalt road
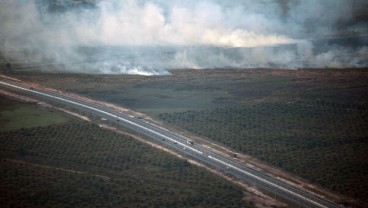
(180, 143)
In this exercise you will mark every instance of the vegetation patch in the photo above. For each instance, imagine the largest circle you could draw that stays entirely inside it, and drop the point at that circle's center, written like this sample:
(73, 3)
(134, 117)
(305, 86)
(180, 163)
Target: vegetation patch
(15, 115)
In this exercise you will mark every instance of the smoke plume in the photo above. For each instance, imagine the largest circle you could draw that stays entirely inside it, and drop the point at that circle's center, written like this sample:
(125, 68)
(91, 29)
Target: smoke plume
(150, 37)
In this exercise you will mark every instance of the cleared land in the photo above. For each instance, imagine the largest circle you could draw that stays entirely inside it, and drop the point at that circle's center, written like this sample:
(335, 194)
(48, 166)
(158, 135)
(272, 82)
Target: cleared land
(312, 123)
(77, 164)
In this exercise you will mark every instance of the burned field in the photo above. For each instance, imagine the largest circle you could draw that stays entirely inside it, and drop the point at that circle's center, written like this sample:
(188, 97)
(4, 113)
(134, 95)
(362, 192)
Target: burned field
(312, 123)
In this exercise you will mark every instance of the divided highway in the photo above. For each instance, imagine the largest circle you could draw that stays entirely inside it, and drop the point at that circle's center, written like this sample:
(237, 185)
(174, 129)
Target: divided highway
(181, 144)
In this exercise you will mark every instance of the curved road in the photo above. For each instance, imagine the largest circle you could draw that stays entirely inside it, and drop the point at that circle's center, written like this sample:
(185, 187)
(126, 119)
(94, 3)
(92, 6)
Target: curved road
(181, 144)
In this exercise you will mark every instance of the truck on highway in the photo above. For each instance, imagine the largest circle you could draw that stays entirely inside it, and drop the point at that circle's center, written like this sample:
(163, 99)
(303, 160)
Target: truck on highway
(190, 142)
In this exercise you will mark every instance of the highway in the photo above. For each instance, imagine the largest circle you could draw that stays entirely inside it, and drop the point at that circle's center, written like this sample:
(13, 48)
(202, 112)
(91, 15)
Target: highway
(180, 144)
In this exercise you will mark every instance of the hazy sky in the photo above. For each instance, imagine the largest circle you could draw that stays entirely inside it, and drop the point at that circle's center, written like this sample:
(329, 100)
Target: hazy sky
(53, 30)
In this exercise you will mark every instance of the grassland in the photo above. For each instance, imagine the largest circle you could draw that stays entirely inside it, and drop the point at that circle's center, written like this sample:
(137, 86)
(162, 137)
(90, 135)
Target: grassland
(77, 164)
(16, 116)
(312, 123)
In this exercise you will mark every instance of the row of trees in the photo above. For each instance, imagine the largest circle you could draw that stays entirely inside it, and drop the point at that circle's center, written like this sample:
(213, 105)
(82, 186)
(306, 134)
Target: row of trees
(113, 171)
(316, 140)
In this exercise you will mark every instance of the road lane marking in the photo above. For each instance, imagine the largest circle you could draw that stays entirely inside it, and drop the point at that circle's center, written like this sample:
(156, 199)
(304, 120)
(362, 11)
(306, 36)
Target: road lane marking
(161, 135)
(104, 112)
(265, 181)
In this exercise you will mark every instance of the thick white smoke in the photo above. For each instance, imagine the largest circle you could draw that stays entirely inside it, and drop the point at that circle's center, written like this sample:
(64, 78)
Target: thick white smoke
(200, 23)
(151, 36)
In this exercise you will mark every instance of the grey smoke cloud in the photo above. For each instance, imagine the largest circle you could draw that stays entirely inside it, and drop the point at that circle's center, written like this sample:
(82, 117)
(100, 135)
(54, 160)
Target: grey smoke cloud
(151, 36)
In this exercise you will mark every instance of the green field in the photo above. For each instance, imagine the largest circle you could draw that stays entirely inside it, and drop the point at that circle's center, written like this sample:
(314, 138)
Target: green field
(312, 123)
(78, 164)
(14, 116)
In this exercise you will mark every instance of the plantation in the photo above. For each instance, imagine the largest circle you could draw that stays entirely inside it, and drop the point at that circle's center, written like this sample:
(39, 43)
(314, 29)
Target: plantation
(323, 142)
(311, 122)
(78, 164)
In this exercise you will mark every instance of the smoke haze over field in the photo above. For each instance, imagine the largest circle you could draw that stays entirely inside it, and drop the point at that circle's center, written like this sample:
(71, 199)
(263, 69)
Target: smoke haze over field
(151, 36)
